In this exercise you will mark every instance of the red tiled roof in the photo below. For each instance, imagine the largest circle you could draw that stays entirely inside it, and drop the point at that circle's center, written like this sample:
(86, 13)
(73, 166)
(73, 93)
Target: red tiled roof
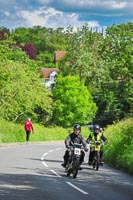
(59, 55)
(47, 71)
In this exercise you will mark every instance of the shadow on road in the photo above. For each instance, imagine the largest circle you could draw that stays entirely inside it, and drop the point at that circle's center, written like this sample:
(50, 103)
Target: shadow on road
(47, 160)
(44, 185)
(28, 187)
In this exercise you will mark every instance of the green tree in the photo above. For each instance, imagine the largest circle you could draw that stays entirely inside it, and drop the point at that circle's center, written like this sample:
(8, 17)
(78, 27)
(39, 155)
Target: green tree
(82, 56)
(105, 64)
(4, 33)
(21, 92)
(46, 59)
(9, 51)
(116, 91)
(72, 102)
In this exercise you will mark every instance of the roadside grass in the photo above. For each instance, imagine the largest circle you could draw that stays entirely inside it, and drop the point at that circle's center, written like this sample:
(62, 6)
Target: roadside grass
(119, 150)
(11, 132)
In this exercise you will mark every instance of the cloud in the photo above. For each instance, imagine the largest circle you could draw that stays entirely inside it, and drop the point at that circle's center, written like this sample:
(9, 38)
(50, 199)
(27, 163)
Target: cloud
(62, 13)
(7, 13)
(90, 5)
(85, 4)
(45, 2)
(50, 17)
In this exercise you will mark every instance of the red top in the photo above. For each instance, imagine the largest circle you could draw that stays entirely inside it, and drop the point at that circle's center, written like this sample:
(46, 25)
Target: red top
(28, 126)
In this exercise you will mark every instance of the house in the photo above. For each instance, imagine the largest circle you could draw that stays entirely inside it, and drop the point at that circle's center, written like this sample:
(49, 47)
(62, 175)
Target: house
(49, 76)
(59, 55)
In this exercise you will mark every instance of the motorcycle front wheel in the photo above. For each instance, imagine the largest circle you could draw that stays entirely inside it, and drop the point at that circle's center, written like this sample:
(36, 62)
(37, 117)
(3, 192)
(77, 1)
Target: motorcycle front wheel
(96, 163)
(75, 172)
(75, 168)
(68, 173)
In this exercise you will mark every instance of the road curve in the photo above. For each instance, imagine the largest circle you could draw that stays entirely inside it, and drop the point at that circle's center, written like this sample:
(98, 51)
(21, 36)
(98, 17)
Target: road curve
(33, 171)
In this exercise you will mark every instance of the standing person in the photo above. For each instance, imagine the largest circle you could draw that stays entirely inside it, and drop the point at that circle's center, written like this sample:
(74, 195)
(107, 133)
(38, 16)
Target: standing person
(74, 137)
(28, 128)
(97, 135)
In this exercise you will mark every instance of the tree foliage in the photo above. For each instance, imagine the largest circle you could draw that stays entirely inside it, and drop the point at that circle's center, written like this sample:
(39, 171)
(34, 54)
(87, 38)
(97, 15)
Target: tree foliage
(4, 33)
(116, 92)
(30, 49)
(72, 102)
(21, 92)
(103, 63)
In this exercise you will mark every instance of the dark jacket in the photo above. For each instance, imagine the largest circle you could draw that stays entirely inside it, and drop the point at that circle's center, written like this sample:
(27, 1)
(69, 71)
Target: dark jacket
(75, 139)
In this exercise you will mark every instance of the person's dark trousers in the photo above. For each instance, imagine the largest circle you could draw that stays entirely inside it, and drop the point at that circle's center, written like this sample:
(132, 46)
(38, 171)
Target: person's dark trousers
(28, 135)
(81, 157)
(66, 157)
(101, 155)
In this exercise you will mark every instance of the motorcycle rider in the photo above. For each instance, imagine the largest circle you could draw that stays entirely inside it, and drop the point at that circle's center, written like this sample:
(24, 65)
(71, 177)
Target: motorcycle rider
(96, 135)
(74, 137)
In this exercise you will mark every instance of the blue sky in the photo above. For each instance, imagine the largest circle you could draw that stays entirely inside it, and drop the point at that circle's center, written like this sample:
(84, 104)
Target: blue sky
(62, 13)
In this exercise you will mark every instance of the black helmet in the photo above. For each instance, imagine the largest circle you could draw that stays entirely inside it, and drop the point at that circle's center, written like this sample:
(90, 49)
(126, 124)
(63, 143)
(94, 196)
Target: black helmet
(77, 126)
(97, 127)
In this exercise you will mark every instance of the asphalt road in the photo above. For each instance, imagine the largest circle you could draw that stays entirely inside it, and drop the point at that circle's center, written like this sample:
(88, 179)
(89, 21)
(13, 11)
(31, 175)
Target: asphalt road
(34, 172)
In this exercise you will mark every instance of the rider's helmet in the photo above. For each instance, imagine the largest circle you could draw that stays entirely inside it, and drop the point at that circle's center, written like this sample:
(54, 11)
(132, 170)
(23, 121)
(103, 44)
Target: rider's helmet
(96, 127)
(101, 129)
(77, 127)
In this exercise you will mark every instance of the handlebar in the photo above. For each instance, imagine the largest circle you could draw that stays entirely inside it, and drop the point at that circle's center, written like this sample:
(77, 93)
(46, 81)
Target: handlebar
(96, 143)
(74, 145)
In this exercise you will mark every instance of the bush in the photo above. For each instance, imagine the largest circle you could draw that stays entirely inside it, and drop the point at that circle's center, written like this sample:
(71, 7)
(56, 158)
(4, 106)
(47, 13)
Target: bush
(10, 132)
(119, 150)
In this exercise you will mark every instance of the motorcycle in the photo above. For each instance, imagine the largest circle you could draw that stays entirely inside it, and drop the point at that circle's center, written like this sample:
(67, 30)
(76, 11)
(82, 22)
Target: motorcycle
(73, 161)
(96, 148)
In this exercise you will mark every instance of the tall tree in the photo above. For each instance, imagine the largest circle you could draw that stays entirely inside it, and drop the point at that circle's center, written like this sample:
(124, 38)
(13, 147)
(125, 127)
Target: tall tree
(21, 92)
(72, 102)
(30, 49)
(82, 56)
(117, 52)
(4, 33)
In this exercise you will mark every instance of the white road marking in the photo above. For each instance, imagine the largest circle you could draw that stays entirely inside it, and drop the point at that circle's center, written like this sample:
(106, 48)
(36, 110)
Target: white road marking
(51, 150)
(77, 188)
(44, 164)
(55, 173)
(42, 158)
(58, 149)
(45, 154)
(15, 186)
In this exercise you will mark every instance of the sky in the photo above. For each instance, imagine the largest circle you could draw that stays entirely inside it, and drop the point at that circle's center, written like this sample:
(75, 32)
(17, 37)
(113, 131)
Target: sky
(64, 13)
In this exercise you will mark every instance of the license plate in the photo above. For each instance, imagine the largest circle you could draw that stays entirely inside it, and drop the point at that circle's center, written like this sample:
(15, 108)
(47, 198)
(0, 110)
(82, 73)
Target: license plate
(77, 151)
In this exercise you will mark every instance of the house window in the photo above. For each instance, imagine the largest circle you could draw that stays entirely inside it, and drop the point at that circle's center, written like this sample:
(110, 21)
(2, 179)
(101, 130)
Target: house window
(52, 78)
